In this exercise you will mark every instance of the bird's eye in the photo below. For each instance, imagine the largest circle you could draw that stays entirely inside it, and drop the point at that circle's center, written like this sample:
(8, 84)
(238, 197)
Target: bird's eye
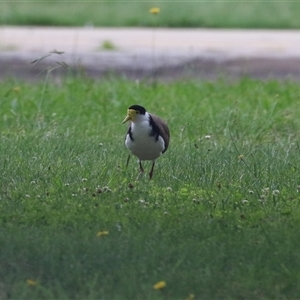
(137, 112)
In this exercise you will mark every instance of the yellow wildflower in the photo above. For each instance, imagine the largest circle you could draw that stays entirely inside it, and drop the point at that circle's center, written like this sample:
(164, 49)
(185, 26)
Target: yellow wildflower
(190, 297)
(159, 285)
(31, 282)
(154, 10)
(101, 233)
(241, 157)
(16, 89)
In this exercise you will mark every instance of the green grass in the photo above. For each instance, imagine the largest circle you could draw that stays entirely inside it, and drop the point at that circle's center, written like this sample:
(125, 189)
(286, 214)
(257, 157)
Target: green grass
(227, 14)
(219, 220)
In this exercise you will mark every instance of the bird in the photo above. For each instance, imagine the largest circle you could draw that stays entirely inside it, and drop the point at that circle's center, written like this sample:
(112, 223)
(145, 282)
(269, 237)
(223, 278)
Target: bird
(147, 136)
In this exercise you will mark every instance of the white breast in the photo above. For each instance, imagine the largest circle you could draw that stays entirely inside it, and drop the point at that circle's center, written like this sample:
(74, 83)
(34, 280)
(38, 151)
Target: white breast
(144, 146)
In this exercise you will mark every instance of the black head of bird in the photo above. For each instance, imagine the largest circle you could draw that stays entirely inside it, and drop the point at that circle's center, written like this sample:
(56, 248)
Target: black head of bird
(147, 137)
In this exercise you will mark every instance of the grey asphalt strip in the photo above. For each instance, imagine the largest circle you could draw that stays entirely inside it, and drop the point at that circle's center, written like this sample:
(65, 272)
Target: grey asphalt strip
(138, 53)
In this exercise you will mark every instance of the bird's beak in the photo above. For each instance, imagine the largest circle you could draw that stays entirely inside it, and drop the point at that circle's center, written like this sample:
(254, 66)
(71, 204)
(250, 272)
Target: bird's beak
(130, 116)
(126, 119)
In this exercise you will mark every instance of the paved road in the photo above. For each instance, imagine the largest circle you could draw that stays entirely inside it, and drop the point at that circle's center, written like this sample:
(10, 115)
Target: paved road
(140, 52)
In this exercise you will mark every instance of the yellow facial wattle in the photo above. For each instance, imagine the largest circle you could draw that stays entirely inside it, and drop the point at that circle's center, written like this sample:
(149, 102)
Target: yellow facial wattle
(131, 113)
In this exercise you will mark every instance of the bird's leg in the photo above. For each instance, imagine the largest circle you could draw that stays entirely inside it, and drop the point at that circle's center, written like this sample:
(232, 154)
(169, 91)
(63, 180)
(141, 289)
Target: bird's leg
(141, 167)
(141, 170)
(152, 169)
(128, 159)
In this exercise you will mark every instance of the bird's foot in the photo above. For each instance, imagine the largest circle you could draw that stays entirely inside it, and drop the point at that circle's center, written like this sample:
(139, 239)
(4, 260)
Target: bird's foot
(141, 171)
(128, 159)
(152, 170)
(150, 175)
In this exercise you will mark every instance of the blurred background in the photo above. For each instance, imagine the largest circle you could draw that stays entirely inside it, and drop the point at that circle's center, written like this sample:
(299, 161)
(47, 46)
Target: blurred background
(185, 38)
(208, 14)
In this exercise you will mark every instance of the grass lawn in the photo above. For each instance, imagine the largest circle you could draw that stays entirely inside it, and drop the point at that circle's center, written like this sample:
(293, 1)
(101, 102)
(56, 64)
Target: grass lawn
(224, 14)
(219, 220)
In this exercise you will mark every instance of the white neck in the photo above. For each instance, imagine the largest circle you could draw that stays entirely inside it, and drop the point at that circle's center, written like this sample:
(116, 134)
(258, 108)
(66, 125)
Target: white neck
(141, 118)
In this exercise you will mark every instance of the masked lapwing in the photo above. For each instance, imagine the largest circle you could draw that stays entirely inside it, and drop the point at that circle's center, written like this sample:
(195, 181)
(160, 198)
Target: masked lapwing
(147, 136)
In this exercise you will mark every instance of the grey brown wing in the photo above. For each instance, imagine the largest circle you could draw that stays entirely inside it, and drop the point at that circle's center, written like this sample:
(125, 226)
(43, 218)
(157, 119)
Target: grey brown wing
(164, 130)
